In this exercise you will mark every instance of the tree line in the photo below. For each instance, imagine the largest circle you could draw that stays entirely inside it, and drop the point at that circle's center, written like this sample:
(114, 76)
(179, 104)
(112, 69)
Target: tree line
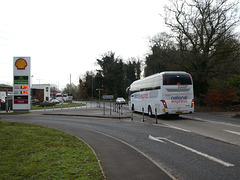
(113, 77)
(202, 40)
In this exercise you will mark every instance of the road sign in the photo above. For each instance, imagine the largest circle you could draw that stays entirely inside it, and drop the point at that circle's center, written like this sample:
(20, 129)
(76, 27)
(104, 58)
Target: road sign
(107, 97)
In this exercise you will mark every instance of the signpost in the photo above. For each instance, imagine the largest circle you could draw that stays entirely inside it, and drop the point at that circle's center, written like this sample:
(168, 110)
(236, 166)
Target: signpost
(107, 97)
(99, 94)
(21, 83)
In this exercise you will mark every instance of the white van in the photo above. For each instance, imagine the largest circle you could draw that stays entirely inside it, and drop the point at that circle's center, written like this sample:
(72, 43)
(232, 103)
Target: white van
(59, 97)
(64, 97)
(68, 97)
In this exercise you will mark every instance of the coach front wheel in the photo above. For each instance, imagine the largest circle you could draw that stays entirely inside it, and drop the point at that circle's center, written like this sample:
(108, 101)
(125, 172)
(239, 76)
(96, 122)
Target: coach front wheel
(133, 108)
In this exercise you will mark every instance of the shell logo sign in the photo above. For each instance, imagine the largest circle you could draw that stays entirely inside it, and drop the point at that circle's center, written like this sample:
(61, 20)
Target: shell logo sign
(21, 64)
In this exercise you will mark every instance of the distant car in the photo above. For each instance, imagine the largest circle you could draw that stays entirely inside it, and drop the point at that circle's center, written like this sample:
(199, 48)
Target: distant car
(35, 102)
(55, 100)
(2, 100)
(120, 100)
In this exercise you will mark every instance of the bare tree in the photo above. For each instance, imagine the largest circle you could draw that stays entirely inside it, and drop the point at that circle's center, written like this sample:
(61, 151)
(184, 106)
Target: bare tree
(204, 31)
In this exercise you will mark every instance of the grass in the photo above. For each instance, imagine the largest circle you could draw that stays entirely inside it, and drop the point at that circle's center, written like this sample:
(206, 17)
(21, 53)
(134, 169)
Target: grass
(34, 152)
(65, 105)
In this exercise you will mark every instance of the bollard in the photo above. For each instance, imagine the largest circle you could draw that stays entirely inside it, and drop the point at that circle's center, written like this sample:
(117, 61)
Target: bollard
(110, 107)
(132, 115)
(156, 115)
(44, 108)
(119, 111)
(143, 113)
(103, 107)
(53, 108)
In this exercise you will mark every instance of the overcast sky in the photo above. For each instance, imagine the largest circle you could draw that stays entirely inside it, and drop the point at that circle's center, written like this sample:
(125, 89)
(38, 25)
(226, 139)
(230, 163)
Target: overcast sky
(65, 37)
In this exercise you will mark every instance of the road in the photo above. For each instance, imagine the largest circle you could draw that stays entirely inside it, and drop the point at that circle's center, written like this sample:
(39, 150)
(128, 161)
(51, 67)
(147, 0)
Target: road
(190, 147)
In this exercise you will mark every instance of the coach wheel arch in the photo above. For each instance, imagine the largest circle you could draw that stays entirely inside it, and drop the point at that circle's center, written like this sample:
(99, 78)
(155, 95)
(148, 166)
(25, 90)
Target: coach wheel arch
(150, 111)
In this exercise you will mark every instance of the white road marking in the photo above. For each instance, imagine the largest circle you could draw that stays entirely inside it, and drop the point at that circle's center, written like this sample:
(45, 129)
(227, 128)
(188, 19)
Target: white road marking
(173, 127)
(160, 139)
(215, 122)
(155, 139)
(233, 132)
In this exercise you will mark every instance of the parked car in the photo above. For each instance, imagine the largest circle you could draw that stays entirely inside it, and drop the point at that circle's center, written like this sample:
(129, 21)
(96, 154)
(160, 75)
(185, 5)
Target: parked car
(55, 100)
(120, 100)
(35, 102)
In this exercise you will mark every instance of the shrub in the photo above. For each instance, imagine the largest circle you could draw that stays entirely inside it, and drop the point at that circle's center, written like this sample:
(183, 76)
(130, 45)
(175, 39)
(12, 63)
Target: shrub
(43, 104)
(234, 83)
(220, 98)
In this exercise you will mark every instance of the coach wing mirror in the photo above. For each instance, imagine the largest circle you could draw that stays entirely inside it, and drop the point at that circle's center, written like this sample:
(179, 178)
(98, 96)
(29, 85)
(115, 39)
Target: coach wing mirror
(127, 90)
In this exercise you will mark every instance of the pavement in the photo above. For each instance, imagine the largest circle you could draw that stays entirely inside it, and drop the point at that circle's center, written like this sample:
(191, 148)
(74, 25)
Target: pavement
(90, 112)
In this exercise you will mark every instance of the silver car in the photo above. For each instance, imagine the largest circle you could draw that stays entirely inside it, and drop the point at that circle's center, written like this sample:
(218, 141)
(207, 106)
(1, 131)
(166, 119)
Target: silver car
(120, 100)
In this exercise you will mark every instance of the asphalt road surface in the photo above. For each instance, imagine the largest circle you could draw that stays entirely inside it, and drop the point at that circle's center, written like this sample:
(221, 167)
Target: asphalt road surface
(199, 146)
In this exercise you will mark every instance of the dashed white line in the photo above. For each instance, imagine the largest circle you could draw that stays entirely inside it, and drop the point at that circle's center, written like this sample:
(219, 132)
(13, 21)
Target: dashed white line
(233, 132)
(173, 127)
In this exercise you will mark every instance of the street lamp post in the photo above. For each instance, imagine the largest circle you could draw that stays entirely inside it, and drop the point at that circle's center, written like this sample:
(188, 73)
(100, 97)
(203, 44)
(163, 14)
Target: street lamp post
(6, 105)
(99, 93)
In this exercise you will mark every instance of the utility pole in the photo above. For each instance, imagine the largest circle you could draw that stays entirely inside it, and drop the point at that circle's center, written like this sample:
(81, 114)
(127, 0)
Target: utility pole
(70, 85)
(92, 89)
(7, 100)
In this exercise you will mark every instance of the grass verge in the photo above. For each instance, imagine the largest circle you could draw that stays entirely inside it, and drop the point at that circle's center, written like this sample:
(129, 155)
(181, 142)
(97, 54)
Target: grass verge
(34, 152)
